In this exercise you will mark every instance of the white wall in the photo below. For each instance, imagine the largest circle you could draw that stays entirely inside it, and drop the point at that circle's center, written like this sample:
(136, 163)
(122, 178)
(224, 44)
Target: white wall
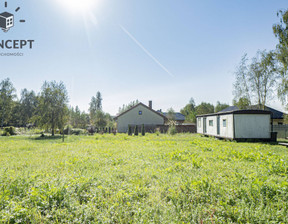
(211, 130)
(252, 126)
(199, 125)
(132, 117)
(246, 126)
(226, 132)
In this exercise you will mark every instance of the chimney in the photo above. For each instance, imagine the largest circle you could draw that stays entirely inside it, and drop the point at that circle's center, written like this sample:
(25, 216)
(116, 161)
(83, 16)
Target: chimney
(150, 104)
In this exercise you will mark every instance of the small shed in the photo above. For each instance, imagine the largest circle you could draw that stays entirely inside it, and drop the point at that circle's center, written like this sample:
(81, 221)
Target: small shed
(236, 125)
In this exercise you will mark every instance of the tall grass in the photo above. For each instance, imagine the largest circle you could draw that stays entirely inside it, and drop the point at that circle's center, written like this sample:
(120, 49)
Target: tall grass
(147, 179)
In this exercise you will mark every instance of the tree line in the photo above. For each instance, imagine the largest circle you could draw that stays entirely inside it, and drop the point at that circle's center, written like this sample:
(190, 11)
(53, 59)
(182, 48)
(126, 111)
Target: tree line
(258, 79)
(48, 109)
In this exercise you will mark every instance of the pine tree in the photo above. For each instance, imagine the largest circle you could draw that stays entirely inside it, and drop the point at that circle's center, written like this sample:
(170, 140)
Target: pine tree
(136, 130)
(143, 130)
(129, 130)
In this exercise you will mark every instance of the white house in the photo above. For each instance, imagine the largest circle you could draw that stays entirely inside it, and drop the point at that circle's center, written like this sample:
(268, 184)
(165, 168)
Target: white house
(237, 125)
(138, 115)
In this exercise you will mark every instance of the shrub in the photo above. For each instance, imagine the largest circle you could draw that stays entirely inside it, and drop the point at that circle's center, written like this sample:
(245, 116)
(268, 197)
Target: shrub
(136, 130)
(91, 130)
(157, 131)
(143, 130)
(67, 130)
(9, 131)
(78, 131)
(129, 130)
(172, 130)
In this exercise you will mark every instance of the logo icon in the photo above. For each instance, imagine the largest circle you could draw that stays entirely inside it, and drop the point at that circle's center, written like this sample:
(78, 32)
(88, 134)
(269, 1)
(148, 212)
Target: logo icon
(7, 19)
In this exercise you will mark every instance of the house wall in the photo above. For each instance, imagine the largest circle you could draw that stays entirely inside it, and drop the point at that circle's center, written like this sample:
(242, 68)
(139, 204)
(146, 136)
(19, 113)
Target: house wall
(225, 132)
(282, 130)
(278, 121)
(252, 126)
(199, 124)
(133, 118)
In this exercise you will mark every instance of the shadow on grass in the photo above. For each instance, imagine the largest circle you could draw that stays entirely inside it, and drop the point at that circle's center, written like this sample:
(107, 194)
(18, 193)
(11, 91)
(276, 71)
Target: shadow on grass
(48, 137)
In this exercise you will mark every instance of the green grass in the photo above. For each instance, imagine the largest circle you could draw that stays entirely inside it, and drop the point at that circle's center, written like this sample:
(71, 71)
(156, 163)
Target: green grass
(151, 179)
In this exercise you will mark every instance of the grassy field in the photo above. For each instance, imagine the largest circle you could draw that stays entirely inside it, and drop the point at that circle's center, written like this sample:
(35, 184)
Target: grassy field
(152, 179)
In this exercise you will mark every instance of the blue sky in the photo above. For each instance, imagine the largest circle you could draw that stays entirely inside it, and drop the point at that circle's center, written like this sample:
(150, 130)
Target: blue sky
(162, 50)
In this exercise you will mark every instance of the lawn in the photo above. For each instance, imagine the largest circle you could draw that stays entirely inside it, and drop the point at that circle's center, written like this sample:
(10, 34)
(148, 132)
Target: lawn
(152, 179)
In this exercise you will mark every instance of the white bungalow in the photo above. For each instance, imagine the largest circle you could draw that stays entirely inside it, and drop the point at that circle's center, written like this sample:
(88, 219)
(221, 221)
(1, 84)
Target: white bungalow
(237, 125)
(138, 115)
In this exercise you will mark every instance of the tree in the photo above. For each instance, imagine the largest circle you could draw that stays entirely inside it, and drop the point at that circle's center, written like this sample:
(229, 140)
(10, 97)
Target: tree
(97, 116)
(262, 76)
(129, 130)
(189, 111)
(242, 103)
(281, 32)
(220, 106)
(98, 101)
(143, 130)
(204, 108)
(95, 104)
(241, 86)
(52, 111)
(78, 119)
(92, 107)
(136, 132)
(256, 81)
(127, 107)
(100, 119)
(28, 105)
(171, 114)
(7, 95)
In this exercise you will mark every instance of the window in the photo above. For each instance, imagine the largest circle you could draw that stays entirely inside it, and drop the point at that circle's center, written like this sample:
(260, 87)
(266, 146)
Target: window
(224, 123)
(140, 112)
(210, 122)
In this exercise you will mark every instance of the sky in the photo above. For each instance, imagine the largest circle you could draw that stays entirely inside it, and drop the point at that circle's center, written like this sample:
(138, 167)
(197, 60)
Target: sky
(166, 51)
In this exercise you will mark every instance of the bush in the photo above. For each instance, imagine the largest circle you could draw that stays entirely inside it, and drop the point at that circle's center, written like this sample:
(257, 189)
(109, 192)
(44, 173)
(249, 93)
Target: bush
(143, 130)
(129, 130)
(9, 131)
(136, 130)
(78, 131)
(157, 131)
(172, 130)
(68, 130)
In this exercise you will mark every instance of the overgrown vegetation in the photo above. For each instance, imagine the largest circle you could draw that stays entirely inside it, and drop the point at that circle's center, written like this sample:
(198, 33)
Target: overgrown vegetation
(152, 179)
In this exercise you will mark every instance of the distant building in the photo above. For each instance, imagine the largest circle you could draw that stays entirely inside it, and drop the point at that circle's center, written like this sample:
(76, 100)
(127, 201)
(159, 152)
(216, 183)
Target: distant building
(138, 115)
(178, 117)
(236, 124)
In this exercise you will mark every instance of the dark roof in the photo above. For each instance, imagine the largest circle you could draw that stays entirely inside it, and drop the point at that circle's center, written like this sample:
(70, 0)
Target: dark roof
(237, 112)
(115, 118)
(178, 116)
(6, 14)
(276, 114)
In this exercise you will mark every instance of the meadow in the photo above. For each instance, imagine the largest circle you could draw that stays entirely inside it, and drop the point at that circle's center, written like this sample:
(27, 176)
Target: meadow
(146, 179)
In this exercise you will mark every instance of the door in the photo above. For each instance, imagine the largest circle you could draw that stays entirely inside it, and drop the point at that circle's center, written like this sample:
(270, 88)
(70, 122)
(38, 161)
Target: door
(204, 125)
(218, 125)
